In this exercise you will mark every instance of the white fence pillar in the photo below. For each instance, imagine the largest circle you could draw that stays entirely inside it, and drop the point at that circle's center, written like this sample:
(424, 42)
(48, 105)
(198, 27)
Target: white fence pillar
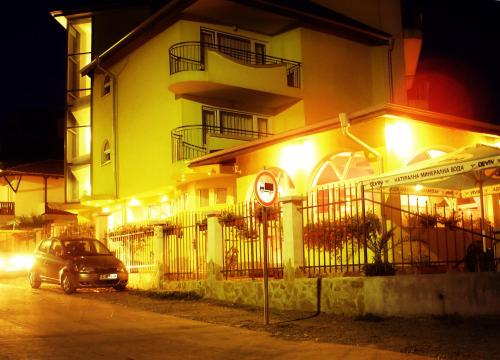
(101, 227)
(293, 257)
(159, 253)
(214, 243)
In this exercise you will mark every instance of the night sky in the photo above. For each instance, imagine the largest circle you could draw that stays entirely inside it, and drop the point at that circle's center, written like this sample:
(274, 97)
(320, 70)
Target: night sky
(459, 57)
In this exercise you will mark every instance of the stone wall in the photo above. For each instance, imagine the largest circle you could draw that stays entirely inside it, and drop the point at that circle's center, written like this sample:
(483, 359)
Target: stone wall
(408, 295)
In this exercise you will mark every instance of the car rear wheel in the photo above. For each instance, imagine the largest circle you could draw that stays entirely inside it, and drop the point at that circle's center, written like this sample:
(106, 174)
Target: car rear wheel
(120, 287)
(67, 283)
(35, 281)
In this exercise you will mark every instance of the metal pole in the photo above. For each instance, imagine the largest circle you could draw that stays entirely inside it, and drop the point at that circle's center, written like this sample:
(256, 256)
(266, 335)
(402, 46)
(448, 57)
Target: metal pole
(481, 201)
(266, 282)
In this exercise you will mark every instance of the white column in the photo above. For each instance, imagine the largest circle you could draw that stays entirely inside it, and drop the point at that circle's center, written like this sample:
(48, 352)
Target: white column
(293, 255)
(214, 240)
(159, 253)
(101, 227)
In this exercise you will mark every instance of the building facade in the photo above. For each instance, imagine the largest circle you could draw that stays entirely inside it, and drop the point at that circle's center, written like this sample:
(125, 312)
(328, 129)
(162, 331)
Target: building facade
(181, 112)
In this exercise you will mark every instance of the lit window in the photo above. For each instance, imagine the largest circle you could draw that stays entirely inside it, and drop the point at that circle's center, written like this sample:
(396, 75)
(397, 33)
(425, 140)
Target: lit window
(106, 153)
(203, 196)
(220, 196)
(343, 166)
(106, 87)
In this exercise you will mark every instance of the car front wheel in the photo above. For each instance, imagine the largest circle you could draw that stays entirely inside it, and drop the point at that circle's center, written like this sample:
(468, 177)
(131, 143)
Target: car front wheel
(35, 281)
(67, 283)
(120, 287)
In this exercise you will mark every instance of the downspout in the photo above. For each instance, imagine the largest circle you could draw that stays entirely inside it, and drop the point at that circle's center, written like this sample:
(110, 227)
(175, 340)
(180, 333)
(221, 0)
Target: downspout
(114, 91)
(344, 123)
(389, 65)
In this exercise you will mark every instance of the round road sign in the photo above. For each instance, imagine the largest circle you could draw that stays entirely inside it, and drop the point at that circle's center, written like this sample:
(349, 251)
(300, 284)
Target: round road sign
(265, 188)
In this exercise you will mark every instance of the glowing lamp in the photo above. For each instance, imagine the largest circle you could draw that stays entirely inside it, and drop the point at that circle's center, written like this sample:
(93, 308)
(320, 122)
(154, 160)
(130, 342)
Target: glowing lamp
(399, 138)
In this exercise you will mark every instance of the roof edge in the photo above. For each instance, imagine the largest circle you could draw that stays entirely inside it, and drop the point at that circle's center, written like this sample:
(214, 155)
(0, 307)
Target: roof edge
(430, 117)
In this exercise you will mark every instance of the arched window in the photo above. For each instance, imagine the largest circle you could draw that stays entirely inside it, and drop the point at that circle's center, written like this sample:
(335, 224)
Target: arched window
(342, 166)
(429, 154)
(106, 153)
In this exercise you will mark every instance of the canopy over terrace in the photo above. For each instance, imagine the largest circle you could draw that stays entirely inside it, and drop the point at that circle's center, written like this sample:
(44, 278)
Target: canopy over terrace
(468, 171)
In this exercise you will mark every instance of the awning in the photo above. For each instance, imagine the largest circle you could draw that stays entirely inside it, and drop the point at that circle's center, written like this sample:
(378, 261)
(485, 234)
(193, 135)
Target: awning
(463, 169)
(469, 170)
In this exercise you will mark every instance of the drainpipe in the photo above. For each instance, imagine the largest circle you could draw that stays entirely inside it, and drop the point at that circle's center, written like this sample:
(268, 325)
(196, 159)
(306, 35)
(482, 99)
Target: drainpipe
(114, 91)
(345, 123)
(389, 65)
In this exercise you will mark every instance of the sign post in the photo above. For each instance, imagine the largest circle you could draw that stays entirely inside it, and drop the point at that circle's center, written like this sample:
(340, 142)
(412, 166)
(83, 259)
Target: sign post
(266, 191)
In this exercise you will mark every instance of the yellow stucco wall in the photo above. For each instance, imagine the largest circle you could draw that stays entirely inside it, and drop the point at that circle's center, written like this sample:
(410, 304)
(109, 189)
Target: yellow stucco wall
(302, 157)
(29, 198)
(338, 76)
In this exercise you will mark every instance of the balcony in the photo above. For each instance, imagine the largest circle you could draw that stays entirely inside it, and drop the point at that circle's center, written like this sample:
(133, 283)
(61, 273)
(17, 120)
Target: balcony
(7, 211)
(223, 76)
(192, 141)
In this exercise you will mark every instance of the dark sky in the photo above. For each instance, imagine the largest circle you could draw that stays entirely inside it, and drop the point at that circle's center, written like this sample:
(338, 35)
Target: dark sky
(459, 56)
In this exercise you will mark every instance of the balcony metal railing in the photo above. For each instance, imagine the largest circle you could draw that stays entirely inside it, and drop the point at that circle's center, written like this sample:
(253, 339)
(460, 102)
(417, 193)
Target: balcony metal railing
(189, 142)
(190, 56)
(7, 208)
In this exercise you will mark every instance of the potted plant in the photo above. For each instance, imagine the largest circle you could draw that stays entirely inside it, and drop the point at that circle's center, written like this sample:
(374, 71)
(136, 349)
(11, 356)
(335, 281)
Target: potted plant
(378, 242)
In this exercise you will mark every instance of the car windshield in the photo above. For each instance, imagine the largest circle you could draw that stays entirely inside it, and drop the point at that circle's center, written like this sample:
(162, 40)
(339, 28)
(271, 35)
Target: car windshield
(85, 247)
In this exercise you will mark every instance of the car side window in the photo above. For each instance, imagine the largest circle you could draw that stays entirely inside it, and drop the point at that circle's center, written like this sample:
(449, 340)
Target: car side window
(44, 246)
(56, 248)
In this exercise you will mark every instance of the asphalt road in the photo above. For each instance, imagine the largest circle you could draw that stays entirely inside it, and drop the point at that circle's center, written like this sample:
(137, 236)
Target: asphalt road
(47, 324)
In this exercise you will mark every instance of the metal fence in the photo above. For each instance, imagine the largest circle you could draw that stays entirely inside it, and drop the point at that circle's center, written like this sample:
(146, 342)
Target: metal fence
(134, 247)
(18, 241)
(243, 235)
(346, 228)
(185, 247)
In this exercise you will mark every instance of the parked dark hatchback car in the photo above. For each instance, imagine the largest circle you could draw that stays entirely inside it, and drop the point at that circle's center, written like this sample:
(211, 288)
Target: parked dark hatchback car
(77, 263)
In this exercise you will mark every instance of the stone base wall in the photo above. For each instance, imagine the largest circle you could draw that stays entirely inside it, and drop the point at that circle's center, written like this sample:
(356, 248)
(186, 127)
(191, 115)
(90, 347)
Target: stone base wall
(143, 281)
(409, 295)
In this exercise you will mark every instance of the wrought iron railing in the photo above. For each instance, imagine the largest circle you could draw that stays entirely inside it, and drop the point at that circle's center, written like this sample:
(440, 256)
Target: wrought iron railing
(242, 237)
(7, 208)
(134, 247)
(189, 142)
(346, 228)
(191, 56)
(185, 247)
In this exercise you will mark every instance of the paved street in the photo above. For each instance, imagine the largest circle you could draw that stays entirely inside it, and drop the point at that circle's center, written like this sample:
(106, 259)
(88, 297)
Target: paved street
(47, 324)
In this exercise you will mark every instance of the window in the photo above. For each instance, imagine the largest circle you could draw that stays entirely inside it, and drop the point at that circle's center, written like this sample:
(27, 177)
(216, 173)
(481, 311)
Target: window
(227, 122)
(44, 246)
(106, 86)
(260, 53)
(106, 153)
(203, 196)
(220, 196)
(343, 166)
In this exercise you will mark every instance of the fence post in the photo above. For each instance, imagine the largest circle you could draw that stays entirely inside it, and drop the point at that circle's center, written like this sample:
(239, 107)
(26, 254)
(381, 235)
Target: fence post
(293, 241)
(214, 244)
(159, 254)
(101, 227)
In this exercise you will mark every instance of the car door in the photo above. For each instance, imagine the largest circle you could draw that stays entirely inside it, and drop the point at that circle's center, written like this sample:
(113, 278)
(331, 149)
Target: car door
(40, 261)
(54, 260)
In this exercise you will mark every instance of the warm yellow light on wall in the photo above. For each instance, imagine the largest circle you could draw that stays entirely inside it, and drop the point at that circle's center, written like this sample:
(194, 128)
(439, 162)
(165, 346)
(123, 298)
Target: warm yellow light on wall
(399, 138)
(164, 198)
(418, 187)
(105, 210)
(134, 202)
(297, 157)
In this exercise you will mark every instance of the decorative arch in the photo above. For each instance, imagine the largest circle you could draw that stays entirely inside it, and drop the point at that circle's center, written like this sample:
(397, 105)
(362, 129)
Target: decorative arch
(341, 166)
(430, 153)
